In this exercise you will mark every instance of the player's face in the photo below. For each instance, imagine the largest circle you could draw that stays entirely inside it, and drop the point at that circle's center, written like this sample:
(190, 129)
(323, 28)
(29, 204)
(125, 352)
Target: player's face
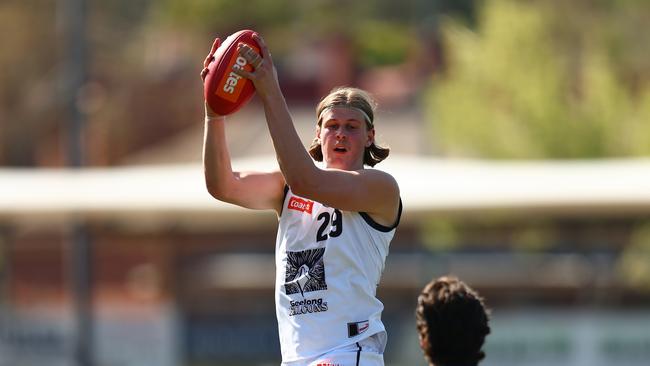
(344, 137)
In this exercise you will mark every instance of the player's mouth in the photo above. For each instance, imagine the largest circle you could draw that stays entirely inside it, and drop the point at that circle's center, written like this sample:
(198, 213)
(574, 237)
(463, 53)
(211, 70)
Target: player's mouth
(340, 150)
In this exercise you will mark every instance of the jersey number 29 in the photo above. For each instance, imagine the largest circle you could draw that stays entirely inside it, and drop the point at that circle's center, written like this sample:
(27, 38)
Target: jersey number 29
(337, 225)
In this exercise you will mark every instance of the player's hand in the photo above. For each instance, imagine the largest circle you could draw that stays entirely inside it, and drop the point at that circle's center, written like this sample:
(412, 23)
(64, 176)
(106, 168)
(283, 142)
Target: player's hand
(209, 113)
(264, 75)
(210, 57)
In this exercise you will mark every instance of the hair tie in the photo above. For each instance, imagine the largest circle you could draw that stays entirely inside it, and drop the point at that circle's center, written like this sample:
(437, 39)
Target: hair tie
(365, 115)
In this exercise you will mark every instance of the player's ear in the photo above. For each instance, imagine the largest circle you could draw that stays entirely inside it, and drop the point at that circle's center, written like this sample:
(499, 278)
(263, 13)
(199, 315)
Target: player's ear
(424, 343)
(370, 137)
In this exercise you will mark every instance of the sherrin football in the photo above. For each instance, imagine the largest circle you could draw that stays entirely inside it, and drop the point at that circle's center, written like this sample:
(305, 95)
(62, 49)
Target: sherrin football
(224, 90)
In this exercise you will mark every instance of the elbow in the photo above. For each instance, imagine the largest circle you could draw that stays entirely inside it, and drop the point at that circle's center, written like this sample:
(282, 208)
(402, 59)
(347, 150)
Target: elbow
(217, 191)
(213, 190)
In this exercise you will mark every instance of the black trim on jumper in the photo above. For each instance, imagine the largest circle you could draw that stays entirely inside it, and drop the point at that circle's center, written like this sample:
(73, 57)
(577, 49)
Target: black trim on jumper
(358, 353)
(379, 226)
(284, 198)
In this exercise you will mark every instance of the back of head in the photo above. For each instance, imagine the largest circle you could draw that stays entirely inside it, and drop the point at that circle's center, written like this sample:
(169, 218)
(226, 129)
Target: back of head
(452, 323)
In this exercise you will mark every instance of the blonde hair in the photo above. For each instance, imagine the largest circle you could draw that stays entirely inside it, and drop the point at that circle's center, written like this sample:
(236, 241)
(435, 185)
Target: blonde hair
(351, 98)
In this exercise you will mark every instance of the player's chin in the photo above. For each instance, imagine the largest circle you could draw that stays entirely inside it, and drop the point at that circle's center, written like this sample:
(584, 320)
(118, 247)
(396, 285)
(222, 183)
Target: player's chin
(334, 162)
(340, 162)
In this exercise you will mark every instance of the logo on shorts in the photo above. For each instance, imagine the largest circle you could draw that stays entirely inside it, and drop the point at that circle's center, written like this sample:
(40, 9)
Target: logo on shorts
(357, 328)
(300, 204)
(305, 272)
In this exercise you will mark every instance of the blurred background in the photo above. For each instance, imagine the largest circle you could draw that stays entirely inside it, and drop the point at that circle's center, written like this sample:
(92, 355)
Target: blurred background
(520, 136)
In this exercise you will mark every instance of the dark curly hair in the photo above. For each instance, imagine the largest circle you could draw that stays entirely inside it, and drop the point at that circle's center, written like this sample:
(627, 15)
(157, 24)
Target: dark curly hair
(452, 323)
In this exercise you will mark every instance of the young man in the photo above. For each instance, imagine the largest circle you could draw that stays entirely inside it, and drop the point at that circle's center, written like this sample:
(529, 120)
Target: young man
(335, 220)
(452, 323)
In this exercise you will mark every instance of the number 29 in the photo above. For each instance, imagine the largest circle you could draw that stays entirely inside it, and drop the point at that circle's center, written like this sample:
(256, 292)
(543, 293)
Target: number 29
(337, 225)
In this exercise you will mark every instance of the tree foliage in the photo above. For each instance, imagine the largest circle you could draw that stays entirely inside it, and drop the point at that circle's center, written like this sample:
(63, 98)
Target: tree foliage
(545, 80)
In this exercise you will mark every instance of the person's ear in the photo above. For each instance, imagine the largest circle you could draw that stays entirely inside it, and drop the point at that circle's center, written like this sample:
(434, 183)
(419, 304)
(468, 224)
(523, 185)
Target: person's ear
(371, 137)
(424, 343)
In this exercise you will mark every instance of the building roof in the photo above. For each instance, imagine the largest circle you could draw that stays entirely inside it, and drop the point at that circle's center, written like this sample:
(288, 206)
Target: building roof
(176, 194)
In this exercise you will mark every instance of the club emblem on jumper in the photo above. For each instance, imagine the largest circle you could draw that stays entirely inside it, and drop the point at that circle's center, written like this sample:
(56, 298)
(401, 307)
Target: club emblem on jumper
(305, 271)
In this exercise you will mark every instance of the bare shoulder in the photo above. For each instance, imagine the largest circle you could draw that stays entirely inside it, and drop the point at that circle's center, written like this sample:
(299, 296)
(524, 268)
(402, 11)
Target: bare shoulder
(382, 178)
(372, 191)
(378, 173)
(386, 197)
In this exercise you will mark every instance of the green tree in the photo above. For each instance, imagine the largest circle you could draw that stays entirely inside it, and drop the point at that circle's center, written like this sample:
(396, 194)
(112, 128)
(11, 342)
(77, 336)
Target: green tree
(544, 80)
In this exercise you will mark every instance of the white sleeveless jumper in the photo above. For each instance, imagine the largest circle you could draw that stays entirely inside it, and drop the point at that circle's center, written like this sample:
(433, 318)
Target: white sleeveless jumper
(328, 265)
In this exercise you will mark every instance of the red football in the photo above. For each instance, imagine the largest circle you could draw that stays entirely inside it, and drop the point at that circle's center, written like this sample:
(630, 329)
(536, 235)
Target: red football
(226, 92)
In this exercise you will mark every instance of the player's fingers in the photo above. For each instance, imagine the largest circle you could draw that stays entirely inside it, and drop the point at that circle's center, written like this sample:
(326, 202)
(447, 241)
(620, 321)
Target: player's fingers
(243, 73)
(264, 49)
(204, 73)
(215, 45)
(252, 57)
(213, 49)
(208, 59)
(256, 61)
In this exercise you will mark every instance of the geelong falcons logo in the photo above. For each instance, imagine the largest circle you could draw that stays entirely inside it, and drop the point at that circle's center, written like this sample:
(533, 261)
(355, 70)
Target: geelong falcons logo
(305, 272)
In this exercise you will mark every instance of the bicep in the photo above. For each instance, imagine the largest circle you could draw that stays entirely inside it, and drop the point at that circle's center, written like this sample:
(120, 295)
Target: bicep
(367, 190)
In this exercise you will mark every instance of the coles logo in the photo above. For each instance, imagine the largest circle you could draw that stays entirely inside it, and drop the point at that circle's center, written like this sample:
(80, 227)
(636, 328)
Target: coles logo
(231, 85)
(299, 204)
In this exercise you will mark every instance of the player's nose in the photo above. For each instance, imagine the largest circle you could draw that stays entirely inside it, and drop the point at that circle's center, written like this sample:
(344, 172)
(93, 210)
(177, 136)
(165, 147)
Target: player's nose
(340, 133)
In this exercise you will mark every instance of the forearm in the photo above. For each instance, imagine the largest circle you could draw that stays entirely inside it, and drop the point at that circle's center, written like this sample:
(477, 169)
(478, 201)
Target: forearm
(217, 167)
(296, 165)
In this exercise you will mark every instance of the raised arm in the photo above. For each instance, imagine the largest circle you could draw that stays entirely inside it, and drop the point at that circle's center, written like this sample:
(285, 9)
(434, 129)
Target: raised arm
(255, 190)
(365, 190)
